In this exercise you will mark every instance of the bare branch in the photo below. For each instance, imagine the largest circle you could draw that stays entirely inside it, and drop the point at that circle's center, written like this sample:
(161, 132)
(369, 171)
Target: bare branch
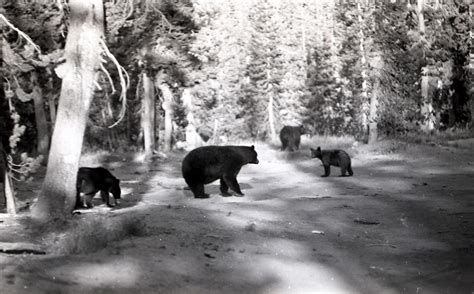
(163, 17)
(107, 74)
(124, 81)
(25, 36)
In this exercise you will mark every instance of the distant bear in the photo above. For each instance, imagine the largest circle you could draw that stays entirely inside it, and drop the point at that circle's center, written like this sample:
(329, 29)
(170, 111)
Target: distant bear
(333, 157)
(290, 137)
(206, 164)
(90, 180)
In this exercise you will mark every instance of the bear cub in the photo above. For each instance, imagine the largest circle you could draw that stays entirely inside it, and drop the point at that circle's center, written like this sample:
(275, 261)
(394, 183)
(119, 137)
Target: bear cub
(90, 180)
(336, 157)
(206, 164)
(290, 137)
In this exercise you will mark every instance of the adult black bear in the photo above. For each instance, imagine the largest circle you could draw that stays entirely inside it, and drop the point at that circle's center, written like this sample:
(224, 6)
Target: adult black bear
(90, 180)
(333, 157)
(206, 164)
(290, 137)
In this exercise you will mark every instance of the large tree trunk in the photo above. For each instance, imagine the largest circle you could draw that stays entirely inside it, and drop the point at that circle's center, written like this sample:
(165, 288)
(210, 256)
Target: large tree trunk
(148, 118)
(7, 189)
(363, 61)
(42, 134)
(82, 52)
(168, 108)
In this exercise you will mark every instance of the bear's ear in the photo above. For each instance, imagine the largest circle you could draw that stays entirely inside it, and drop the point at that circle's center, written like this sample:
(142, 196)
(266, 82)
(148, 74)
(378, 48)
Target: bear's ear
(253, 147)
(318, 149)
(312, 150)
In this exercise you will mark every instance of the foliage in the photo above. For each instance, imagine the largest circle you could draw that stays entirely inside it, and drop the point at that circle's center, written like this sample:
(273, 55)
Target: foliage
(235, 56)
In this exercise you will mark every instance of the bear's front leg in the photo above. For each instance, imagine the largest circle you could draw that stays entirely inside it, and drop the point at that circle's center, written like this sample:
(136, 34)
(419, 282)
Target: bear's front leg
(327, 171)
(105, 198)
(233, 184)
(343, 171)
(88, 200)
(79, 202)
(224, 188)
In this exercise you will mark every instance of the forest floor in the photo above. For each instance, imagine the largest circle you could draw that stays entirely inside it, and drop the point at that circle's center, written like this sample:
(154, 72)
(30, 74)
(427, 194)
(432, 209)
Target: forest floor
(404, 223)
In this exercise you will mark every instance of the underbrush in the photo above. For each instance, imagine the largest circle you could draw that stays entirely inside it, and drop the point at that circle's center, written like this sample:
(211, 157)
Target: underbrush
(347, 143)
(92, 232)
(438, 137)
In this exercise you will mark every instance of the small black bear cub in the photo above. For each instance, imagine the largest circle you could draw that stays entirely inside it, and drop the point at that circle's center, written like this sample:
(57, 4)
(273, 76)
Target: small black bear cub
(333, 157)
(90, 180)
(290, 137)
(206, 164)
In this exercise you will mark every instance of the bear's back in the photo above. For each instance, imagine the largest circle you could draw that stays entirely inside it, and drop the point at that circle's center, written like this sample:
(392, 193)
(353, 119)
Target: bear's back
(213, 155)
(336, 157)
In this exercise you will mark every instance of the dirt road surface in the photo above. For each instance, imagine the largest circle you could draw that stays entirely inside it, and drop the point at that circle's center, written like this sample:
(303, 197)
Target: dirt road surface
(404, 223)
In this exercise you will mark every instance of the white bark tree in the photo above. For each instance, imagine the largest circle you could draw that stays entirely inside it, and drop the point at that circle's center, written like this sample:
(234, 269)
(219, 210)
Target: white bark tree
(57, 197)
(167, 106)
(148, 116)
(426, 103)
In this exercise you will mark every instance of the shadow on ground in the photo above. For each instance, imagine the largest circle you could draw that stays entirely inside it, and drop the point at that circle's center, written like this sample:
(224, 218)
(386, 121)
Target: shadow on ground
(401, 224)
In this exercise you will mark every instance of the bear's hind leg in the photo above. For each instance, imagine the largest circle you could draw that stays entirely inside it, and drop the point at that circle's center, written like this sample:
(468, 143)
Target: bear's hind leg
(349, 169)
(224, 188)
(198, 191)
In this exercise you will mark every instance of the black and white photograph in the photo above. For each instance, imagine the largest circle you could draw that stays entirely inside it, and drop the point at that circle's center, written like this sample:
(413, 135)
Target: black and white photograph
(237, 146)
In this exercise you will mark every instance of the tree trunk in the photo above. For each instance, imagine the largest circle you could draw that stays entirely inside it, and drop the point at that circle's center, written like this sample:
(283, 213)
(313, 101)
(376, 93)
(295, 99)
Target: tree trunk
(271, 118)
(148, 119)
(51, 101)
(168, 108)
(373, 114)
(4, 141)
(57, 197)
(52, 110)
(364, 93)
(7, 183)
(42, 134)
(426, 105)
(193, 139)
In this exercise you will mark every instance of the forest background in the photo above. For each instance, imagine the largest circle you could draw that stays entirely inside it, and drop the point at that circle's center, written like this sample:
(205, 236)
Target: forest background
(198, 71)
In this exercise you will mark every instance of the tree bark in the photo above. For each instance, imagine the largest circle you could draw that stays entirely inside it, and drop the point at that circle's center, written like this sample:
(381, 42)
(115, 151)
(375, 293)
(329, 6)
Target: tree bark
(148, 119)
(193, 139)
(426, 104)
(168, 108)
(7, 183)
(373, 134)
(271, 118)
(4, 141)
(57, 197)
(364, 91)
(42, 134)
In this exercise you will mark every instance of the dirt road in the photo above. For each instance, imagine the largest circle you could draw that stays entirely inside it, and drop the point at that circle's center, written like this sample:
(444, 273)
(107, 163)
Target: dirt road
(402, 224)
